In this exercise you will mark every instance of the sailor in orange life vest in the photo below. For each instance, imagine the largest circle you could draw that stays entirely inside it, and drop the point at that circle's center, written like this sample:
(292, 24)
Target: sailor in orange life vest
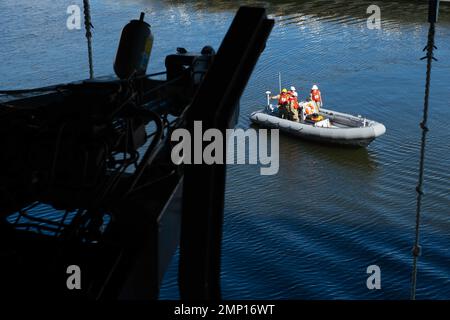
(294, 91)
(283, 104)
(316, 97)
(308, 108)
(293, 104)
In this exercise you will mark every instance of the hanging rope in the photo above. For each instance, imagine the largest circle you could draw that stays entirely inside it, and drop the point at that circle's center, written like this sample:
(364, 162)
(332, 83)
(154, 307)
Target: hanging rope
(88, 25)
(423, 125)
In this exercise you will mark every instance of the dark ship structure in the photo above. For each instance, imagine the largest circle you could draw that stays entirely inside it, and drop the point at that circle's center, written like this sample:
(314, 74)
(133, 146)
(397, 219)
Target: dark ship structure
(87, 180)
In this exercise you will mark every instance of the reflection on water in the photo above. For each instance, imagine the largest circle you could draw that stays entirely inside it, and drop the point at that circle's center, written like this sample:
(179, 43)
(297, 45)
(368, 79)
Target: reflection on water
(310, 231)
(404, 11)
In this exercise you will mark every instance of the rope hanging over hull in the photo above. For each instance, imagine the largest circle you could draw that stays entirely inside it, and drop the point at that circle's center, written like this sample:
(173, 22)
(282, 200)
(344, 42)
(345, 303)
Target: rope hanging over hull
(432, 19)
(88, 25)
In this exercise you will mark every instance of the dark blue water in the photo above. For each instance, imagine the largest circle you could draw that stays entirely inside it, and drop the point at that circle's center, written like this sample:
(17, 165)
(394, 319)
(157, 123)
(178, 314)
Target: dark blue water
(310, 231)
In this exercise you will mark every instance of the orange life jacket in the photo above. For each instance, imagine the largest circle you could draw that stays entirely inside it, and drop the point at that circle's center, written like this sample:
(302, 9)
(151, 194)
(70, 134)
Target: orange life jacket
(309, 108)
(315, 95)
(284, 99)
(293, 99)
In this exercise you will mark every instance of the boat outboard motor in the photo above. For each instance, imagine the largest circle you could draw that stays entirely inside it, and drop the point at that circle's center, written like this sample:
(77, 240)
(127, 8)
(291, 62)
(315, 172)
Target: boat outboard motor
(134, 50)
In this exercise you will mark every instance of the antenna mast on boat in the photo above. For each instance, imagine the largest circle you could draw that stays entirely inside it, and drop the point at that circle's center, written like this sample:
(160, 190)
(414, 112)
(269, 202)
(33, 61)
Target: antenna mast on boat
(279, 81)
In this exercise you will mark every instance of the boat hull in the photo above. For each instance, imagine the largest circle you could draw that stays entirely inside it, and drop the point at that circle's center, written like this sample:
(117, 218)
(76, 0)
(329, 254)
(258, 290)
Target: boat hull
(354, 134)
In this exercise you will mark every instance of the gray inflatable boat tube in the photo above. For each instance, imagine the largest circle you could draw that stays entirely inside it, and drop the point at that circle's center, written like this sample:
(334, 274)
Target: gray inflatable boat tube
(345, 129)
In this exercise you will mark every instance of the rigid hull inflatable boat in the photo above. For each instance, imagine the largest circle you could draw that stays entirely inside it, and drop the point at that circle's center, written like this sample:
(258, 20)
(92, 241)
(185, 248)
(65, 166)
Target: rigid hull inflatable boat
(334, 127)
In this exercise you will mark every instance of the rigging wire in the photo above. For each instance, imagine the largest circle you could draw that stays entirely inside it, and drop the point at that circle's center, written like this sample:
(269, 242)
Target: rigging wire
(433, 10)
(88, 25)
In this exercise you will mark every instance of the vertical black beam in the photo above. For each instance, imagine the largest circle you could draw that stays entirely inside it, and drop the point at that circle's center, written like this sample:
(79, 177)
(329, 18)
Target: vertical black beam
(204, 186)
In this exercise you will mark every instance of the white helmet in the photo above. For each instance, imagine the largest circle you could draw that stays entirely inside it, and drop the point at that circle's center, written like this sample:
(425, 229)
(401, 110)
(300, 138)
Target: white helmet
(314, 87)
(292, 88)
